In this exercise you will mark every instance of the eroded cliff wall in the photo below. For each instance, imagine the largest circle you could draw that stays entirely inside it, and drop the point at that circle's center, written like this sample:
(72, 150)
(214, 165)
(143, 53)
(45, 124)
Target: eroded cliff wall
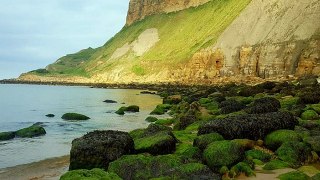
(139, 9)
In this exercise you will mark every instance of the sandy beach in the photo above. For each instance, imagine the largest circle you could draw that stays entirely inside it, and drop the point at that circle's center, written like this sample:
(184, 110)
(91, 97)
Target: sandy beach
(49, 169)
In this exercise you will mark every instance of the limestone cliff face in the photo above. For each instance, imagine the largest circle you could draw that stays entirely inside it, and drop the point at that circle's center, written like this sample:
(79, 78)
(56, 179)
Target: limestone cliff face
(139, 9)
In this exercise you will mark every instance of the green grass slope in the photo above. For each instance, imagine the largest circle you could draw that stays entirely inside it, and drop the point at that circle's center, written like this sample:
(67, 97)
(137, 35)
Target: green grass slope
(181, 35)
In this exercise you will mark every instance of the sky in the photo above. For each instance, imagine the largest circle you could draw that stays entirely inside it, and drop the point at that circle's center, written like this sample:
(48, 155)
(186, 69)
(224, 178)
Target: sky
(35, 33)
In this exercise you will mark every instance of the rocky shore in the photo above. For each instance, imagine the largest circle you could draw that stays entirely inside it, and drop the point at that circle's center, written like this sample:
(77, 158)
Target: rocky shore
(216, 132)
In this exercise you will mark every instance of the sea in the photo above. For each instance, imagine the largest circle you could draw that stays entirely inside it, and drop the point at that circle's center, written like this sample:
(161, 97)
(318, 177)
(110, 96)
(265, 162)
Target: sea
(23, 105)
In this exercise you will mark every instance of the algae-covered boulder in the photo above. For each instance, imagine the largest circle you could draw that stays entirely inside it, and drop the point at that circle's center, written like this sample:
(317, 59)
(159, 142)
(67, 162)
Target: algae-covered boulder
(84, 174)
(151, 119)
(4, 136)
(276, 164)
(294, 153)
(32, 131)
(223, 153)
(310, 97)
(143, 167)
(174, 99)
(203, 141)
(275, 139)
(314, 141)
(258, 154)
(132, 109)
(309, 115)
(98, 148)
(185, 121)
(316, 177)
(241, 167)
(230, 106)
(161, 109)
(74, 116)
(294, 175)
(249, 126)
(264, 105)
(157, 144)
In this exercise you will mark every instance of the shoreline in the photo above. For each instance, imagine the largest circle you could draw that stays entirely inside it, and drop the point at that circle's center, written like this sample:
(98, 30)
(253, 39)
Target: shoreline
(48, 169)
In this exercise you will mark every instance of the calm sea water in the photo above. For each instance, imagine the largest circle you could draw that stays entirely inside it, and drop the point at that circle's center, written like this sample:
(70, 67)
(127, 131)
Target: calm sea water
(24, 105)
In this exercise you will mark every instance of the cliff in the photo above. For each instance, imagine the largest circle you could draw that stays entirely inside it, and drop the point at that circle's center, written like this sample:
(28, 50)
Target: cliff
(139, 9)
(218, 41)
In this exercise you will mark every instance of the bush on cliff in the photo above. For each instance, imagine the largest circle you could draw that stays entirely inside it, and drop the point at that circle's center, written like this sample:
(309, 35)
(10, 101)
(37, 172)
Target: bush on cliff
(74, 116)
(249, 126)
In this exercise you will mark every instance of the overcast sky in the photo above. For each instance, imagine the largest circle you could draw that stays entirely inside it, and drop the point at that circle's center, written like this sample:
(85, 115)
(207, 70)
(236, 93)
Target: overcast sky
(35, 33)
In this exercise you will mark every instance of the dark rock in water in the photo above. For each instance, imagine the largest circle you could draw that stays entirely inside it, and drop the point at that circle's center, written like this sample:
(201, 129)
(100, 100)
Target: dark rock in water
(32, 131)
(98, 148)
(147, 92)
(50, 115)
(74, 116)
(137, 167)
(161, 109)
(264, 105)
(122, 110)
(89, 174)
(249, 126)
(4, 136)
(230, 106)
(109, 101)
(223, 153)
(151, 119)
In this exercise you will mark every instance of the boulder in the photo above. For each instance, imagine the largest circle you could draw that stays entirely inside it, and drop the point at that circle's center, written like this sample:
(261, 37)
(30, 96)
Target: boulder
(98, 148)
(151, 119)
(110, 101)
(294, 153)
(161, 109)
(203, 141)
(314, 141)
(32, 131)
(174, 99)
(74, 116)
(50, 115)
(89, 174)
(230, 106)
(223, 153)
(4, 136)
(275, 139)
(264, 105)
(143, 167)
(249, 126)
(309, 115)
(258, 154)
(185, 121)
(132, 109)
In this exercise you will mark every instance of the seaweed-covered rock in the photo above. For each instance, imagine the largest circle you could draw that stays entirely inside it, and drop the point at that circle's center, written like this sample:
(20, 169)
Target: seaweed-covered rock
(241, 167)
(83, 174)
(294, 175)
(143, 167)
(315, 107)
(316, 177)
(230, 106)
(165, 122)
(203, 141)
(4, 136)
(174, 99)
(161, 109)
(151, 119)
(267, 85)
(32, 131)
(157, 144)
(314, 142)
(275, 164)
(74, 116)
(250, 91)
(50, 115)
(185, 121)
(258, 154)
(223, 153)
(264, 105)
(310, 97)
(309, 115)
(98, 148)
(275, 139)
(110, 101)
(294, 153)
(249, 126)
(123, 109)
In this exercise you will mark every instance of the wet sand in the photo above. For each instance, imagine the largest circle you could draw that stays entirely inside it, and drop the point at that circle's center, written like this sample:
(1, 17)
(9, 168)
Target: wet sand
(49, 169)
